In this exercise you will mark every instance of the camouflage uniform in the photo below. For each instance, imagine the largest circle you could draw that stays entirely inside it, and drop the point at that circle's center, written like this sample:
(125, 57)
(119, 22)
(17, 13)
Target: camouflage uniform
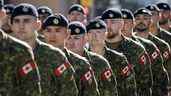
(157, 67)
(165, 50)
(137, 56)
(19, 75)
(56, 72)
(125, 75)
(166, 36)
(85, 79)
(103, 73)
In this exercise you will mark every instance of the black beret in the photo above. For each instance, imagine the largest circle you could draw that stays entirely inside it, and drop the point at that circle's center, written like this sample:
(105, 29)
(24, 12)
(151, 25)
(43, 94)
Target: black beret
(96, 24)
(24, 9)
(1, 3)
(55, 20)
(152, 7)
(76, 7)
(44, 10)
(76, 28)
(142, 11)
(9, 8)
(163, 6)
(127, 14)
(111, 14)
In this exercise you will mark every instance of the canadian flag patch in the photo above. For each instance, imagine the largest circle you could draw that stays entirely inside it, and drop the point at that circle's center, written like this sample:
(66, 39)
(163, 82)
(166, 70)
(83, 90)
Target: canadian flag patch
(61, 68)
(166, 54)
(142, 59)
(27, 68)
(127, 70)
(87, 76)
(106, 74)
(154, 55)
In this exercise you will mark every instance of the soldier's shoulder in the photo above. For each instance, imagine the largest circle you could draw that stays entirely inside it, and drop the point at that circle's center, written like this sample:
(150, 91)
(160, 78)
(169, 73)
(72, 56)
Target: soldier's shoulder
(77, 56)
(165, 32)
(134, 44)
(114, 52)
(97, 57)
(146, 41)
(49, 49)
(161, 41)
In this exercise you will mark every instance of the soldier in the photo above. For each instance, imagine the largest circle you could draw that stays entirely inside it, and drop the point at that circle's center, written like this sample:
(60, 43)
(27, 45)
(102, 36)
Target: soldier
(134, 51)
(18, 70)
(165, 15)
(152, 50)
(125, 75)
(142, 22)
(55, 32)
(56, 72)
(43, 13)
(77, 13)
(6, 27)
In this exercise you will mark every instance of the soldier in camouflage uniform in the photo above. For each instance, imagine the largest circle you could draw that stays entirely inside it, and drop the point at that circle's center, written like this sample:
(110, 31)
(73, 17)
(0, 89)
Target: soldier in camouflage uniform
(57, 74)
(125, 75)
(164, 15)
(19, 75)
(152, 50)
(5, 26)
(55, 32)
(160, 33)
(143, 18)
(43, 13)
(134, 51)
(77, 13)
(102, 70)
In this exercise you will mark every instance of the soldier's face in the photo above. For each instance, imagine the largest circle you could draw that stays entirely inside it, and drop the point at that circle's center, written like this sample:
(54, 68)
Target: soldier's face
(96, 36)
(24, 27)
(76, 16)
(75, 43)
(164, 16)
(114, 26)
(142, 22)
(43, 17)
(155, 16)
(6, 24)
(127, 28)
(55, 35)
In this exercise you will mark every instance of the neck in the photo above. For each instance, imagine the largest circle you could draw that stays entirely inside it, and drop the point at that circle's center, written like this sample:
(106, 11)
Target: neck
(115, 39)
(98, 49)
(142, 34)
(32, 43)
(154, 28)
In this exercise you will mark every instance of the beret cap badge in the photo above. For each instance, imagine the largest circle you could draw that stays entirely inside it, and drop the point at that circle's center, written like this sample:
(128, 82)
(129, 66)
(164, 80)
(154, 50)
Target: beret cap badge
(77, 30)
(25, 9)
(110, 15)
(55, 21)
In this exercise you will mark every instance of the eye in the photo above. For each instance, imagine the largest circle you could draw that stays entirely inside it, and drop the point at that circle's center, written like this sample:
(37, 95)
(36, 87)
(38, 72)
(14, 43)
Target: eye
(16, 20)
(27, 20)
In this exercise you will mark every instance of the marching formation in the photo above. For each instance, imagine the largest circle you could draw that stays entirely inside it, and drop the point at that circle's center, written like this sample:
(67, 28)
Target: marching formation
(120, 53)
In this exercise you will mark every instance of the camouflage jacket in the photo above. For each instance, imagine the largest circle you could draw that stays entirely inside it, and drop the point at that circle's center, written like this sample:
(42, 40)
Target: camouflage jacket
(19, 75)
(165, 50)
(85, 79)
(57, 74)
(157, 66)
(137, 56)
(166, 36)
(103, 72)
(125, 75)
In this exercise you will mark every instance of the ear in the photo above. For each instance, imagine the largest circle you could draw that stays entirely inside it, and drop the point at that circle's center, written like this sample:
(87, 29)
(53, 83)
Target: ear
(2, 14)
(38, 24)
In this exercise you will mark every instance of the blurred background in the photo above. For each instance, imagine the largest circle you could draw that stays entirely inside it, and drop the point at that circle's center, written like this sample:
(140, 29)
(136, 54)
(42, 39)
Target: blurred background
(93, 7)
